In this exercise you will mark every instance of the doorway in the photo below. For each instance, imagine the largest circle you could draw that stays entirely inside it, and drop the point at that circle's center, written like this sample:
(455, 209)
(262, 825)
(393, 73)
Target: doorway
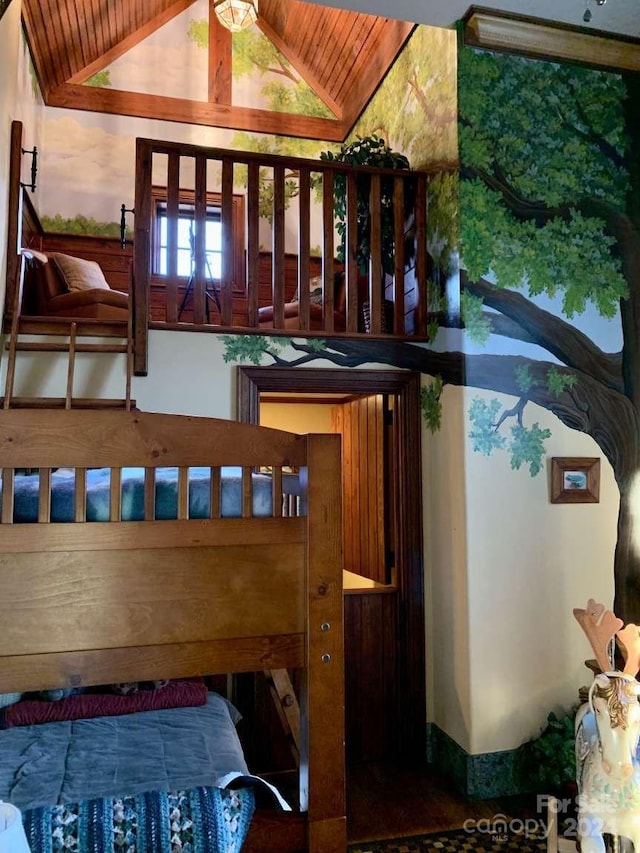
(384, 619)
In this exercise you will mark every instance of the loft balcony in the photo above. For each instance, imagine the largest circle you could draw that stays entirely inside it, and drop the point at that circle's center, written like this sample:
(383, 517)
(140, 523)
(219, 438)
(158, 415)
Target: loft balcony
(240, 242)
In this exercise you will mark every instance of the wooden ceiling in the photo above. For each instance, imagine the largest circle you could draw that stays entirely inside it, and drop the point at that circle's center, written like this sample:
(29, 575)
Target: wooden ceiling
(342, 55)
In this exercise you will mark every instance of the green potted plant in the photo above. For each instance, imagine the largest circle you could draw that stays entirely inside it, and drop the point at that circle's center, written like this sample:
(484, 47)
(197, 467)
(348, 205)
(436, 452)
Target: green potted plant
(369, 151)
(550, 758)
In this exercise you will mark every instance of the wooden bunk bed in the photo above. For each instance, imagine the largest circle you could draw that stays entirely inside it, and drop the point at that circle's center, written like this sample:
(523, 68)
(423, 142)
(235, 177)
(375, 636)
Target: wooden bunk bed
(94, 602)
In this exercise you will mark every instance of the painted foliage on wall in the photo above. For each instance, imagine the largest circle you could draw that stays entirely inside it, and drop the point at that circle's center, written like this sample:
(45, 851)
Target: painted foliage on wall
(550, 216)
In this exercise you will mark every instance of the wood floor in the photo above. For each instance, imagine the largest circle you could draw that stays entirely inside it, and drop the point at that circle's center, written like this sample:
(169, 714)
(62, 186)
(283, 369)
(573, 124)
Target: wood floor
(390, 802)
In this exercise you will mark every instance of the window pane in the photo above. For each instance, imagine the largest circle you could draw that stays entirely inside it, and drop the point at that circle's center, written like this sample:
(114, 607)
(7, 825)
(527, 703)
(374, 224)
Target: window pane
(184, 262)
(186, 242)
(185, 226)
(214, 235)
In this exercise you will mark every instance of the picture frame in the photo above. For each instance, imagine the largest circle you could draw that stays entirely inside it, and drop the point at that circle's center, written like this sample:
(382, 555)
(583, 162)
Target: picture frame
(575, 479)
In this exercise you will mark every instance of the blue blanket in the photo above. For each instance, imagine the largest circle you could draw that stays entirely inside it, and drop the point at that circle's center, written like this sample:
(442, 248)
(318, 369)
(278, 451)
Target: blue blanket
(166, 490)
(208, 820)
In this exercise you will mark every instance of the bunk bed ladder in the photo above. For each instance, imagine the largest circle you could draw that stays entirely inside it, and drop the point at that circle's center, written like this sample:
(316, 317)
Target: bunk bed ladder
(104, 335)
(286, 703)
(70, 333)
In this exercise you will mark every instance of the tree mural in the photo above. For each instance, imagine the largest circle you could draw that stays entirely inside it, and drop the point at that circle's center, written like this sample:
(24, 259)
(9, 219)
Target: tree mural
(255, 55)
(550, 204)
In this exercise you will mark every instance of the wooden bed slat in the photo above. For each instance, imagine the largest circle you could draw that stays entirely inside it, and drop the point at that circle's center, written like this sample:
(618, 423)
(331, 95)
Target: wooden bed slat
(183, 492)
(44, 496)
(80, 495)
(145, 597)
(214, 493)
(8, 488)
(277, 492)
(113, 536)
(149, 494)
(105, 439)
(115, 494)
(247, 493)
(173, 660)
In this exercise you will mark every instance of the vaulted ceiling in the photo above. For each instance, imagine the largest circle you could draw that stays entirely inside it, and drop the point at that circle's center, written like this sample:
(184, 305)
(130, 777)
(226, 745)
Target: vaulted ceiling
(342, 55)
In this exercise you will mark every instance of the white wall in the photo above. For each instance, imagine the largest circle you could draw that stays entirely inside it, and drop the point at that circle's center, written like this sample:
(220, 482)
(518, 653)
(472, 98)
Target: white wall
(530, 563)
(505, 568)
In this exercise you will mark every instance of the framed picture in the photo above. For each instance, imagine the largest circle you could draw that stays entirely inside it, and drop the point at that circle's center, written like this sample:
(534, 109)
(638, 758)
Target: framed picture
(575, 480)
(4, 5)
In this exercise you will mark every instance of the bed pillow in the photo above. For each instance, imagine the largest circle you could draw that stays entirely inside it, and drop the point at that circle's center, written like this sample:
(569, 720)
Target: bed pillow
(79, 274)
(180, 693)
(315, 291)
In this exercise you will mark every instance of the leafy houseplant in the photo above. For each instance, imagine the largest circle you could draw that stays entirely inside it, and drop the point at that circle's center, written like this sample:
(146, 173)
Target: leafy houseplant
(550, 758)
(369, 151)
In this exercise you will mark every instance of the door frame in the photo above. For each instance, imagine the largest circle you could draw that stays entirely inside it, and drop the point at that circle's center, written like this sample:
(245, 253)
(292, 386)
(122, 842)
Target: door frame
(410, 689)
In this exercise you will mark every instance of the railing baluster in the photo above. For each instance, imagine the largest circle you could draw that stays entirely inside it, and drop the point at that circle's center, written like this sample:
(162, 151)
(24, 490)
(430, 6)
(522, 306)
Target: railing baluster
(278, 246)
(327, 248)
(376, 280)
(142, 253)
(421, 256)
(227, 242)
(304, 245)
(253, 242)
(200, 242)
(173, 206)
(352, 270)
(399, 259)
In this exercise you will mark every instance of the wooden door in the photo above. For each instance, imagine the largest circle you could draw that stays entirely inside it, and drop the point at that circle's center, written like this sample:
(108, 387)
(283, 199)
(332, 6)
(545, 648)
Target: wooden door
(361, 423)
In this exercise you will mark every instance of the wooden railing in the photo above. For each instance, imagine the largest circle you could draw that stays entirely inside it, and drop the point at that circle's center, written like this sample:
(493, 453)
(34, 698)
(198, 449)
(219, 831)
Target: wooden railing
(297, 197)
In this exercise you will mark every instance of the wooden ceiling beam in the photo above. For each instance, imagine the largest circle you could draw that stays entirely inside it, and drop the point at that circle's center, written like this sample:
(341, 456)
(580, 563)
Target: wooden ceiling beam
(303, 70)
(117, 102)
(220, 46)
(130, 41)
(364, 85)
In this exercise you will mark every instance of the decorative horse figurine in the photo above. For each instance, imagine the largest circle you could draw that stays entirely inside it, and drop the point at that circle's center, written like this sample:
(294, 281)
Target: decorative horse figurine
(607, 734)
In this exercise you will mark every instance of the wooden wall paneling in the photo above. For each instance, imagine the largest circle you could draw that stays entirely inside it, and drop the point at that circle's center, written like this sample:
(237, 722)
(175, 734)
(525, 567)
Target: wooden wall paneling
(362, 430)
(371, 661)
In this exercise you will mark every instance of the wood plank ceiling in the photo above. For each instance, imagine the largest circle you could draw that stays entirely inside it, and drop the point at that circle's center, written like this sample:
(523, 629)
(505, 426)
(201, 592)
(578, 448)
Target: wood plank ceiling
(342, 55)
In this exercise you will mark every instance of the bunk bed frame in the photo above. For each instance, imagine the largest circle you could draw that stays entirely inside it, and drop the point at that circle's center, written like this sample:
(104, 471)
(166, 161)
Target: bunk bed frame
(203, 596)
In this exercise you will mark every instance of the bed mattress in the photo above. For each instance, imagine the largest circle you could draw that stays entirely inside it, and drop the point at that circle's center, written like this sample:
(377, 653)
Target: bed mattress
(168, 750)
(132, 492)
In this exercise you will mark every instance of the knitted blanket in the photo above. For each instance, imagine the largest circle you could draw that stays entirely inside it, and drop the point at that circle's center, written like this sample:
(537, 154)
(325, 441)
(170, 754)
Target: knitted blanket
(200, 820)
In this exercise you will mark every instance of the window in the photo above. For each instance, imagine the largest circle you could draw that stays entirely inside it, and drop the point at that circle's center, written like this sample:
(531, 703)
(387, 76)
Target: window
(186, 232)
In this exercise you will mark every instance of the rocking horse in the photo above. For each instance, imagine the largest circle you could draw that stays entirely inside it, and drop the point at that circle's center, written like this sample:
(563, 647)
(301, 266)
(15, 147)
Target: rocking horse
(607, 734)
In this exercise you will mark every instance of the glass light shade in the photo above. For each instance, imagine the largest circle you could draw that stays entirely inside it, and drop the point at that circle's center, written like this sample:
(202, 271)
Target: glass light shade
(236, 15)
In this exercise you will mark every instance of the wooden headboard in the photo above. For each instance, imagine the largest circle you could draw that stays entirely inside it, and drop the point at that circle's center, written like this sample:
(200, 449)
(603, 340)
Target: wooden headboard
(93, 602)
